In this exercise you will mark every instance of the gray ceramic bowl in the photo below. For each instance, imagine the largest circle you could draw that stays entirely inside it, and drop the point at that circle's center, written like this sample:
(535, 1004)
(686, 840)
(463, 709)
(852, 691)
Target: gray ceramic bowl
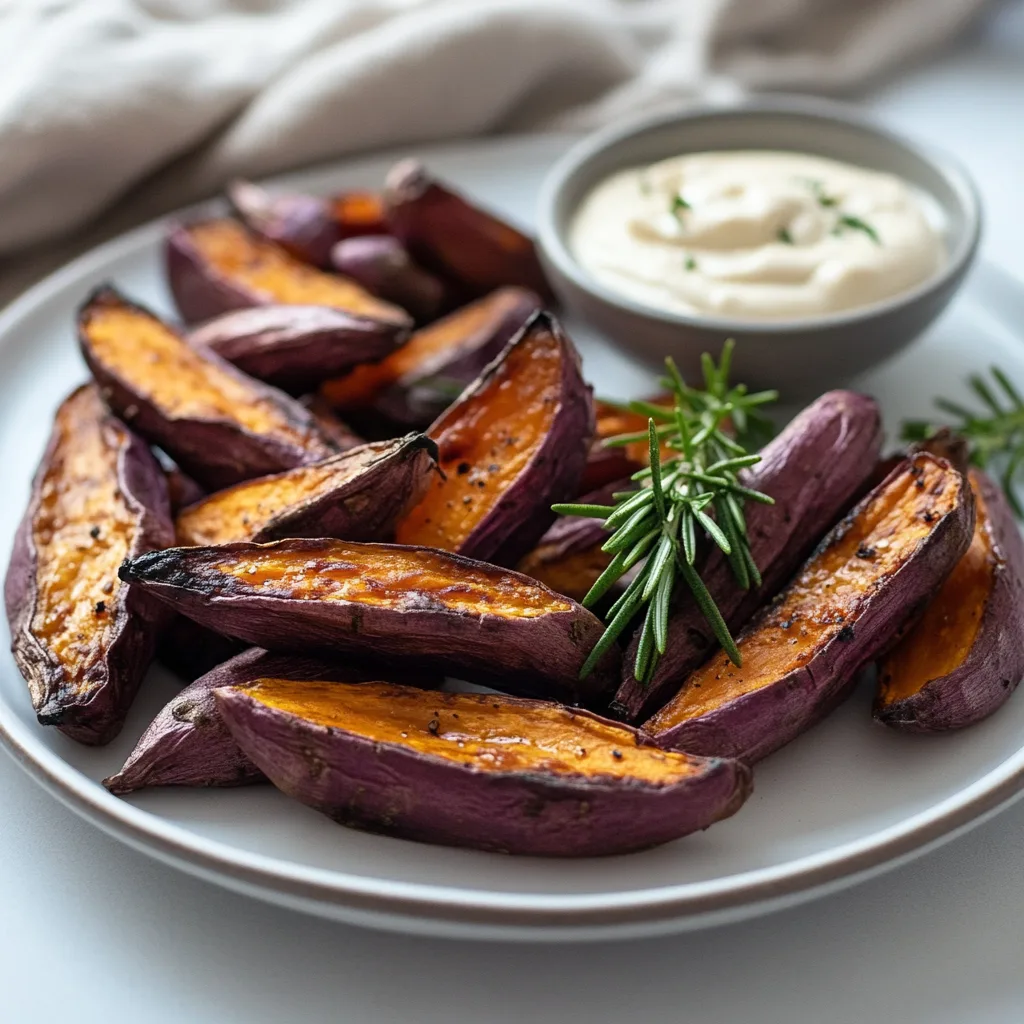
(800, 357)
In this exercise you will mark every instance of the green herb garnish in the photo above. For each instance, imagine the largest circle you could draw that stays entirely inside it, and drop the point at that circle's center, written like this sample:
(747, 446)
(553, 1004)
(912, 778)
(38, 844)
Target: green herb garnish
(784, 236)
(678, 205)
(995, 436)
(679, 500)
(848, 220)
(824, 199)
(691, 263)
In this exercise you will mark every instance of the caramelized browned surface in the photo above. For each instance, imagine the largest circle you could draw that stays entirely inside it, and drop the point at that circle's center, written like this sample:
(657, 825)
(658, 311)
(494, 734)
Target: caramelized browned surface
(359, 213)
(491, 733)
(240, 512)
(942, 639)
(181, 382)
(81, 532)
(486, 441)
(572, 574)
(827, 594)
(425, 348)
(386, 576)
(263, 267)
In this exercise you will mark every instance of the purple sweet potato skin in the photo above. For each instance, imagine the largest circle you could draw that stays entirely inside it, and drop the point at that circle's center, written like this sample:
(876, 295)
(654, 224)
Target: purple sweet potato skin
(520, 518)
(384, 787)
(96, 716)
(199, 294)
(190, 650)
(456, 240)
(187, 744)
(994, 665)
(813, 469)
(415, 401)
(295, 348)
(366, 506)
(381, 264)
(756, 724)
(302, 224)
(216, 452)
(538, 656)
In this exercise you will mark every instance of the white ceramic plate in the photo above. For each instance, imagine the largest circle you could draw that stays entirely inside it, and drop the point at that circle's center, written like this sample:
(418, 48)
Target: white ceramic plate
(841, 803)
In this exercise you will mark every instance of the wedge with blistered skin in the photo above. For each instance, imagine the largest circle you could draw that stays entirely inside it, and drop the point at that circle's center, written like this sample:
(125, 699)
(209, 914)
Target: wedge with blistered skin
(814, 469)
(484, 771)
(218, 265)
(358, 495)
(296, 348)
(401, 606)
(82, 638)
(218, 425)
(187, 744)
(513, 444)
(964, 658)
(801, 654)
(414, 386)
(455, 239)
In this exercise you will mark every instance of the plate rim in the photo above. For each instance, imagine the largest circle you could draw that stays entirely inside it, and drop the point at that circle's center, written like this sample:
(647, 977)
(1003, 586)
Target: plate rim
(687, 904)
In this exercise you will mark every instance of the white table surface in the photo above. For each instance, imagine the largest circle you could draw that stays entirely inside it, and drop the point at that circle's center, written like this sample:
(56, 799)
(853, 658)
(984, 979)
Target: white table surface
(93, 932)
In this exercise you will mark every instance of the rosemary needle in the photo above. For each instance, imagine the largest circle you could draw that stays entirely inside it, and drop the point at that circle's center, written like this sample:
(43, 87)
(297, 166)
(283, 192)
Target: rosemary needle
(995, 436)
(681, 499)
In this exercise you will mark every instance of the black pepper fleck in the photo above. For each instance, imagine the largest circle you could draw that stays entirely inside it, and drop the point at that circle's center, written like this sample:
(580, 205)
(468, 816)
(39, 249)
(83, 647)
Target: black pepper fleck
(95, 533)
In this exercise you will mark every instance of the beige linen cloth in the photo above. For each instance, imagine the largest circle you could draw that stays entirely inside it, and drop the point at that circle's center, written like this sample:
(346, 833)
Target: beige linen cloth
(112, 111)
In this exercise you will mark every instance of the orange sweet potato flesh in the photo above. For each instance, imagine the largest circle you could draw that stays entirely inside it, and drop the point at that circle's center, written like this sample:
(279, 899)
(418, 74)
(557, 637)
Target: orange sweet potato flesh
(427, 346)
(184, 383)
(359, 213)
(946, 632)
(82, 533)
(240, 512)
(570, 574)
(474, 729)
(826, 598)
(397, 575)
(486, 442)
(267, 270)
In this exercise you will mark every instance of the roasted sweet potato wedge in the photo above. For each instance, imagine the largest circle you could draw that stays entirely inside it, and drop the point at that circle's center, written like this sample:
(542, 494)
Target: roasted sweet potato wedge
(462, 769)
(398, 605)
(802, 652)
(187, 744)
(82, 638)
(219, 425)
(964, 658)
(814, 469)
(383, 266)
(297, 348)
(218, 265)
(307, 226)
(414, 386)
(358, 495)
(512, 444)
(450, 236)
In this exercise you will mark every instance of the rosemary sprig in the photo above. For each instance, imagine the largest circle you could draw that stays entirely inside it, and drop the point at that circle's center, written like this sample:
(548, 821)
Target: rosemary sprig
(680, 500)
(995, 436)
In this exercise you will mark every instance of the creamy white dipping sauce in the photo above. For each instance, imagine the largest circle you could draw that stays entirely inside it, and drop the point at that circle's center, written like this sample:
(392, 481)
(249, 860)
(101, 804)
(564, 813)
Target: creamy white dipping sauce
(756, 235)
